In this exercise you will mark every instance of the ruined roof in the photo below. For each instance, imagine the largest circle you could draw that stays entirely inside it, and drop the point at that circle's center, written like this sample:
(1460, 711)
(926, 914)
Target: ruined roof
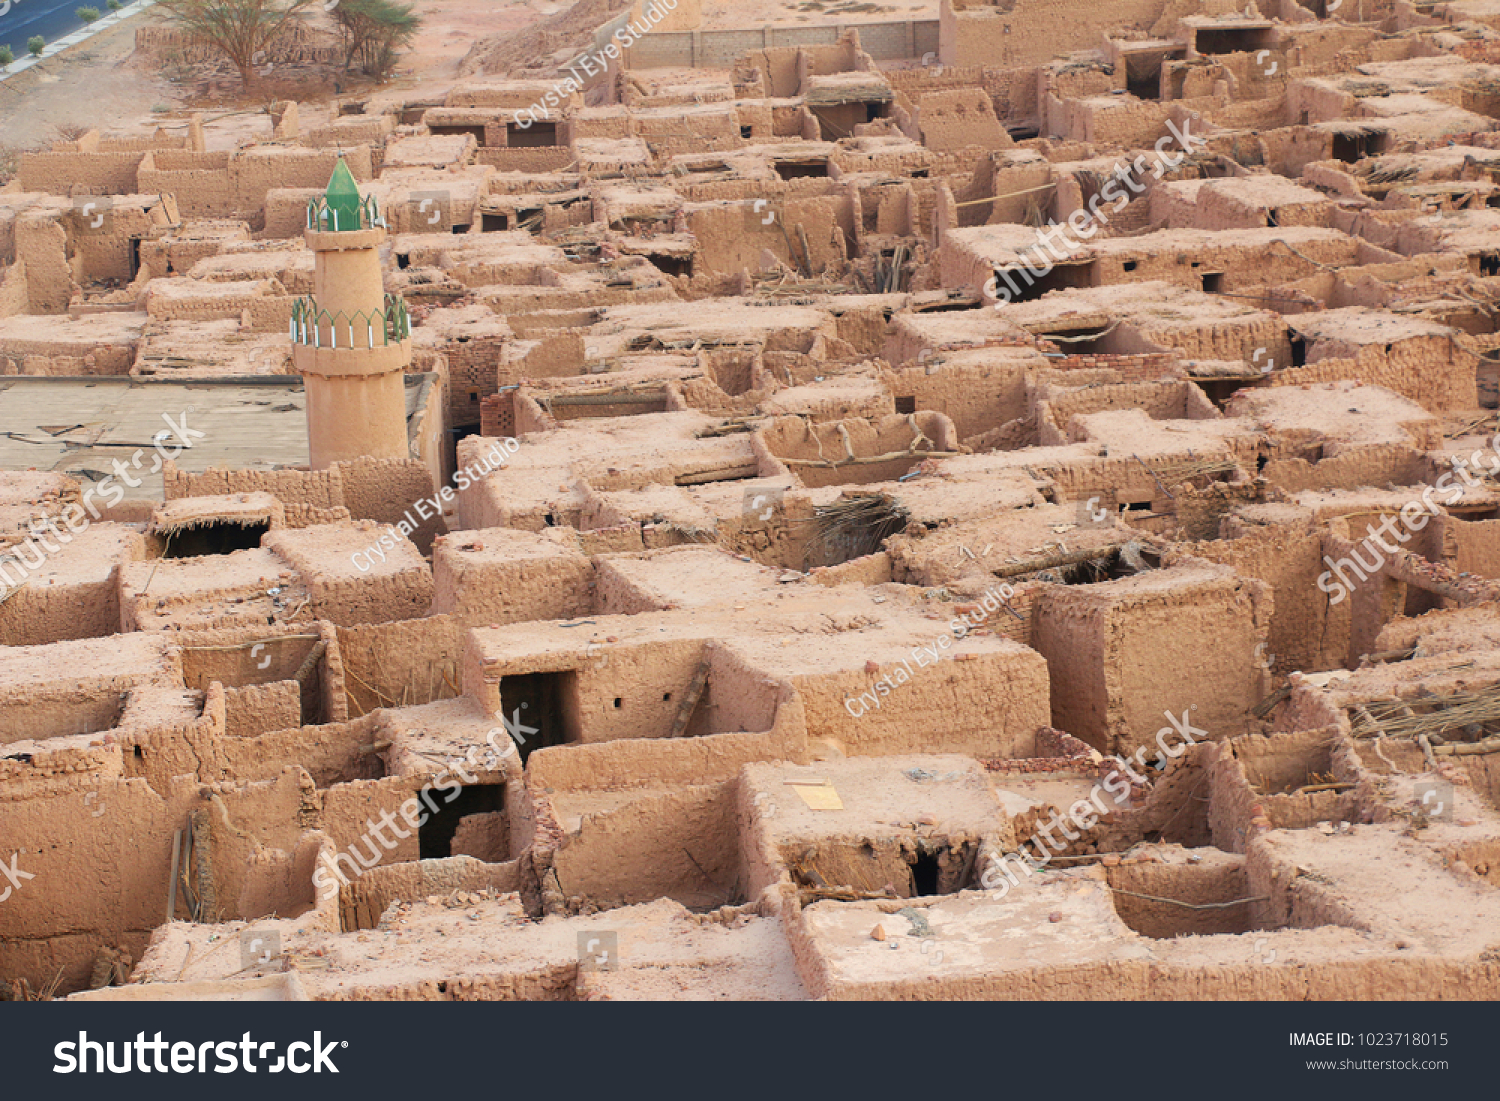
(247, 423)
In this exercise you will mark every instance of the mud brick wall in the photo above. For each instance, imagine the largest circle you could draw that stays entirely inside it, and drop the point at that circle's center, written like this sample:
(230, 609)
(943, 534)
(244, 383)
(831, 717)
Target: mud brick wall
(1350, 469)
(1129, 368)
(1160, 401)
(295, 43)
(80, 173)
(1053, 751)
(1121, 121)
(1290, 561)
(419, 658)
(659, 130)
(258, 708)
(362, 901)
(42, 246)
(307, 516)
(1200, 511)
(1431, 371)
(385, 489)
(960, 118)
(1149, 651)
(323, 489)
(1016, 624)
(1033, 31)
(887, 41)
(555, 355)
(978, 397)
(659, 846)
(725, 245)
(1474, 545)
(14, 297)
(352, 130)
(533, 161)
(47, 357)
(990, 706)
(348, 598)
(269, 307)
(286, 211)
(483, 591)
(199, 181)
(82, 606)
(257, 171)
(499, 96)
(175, 255)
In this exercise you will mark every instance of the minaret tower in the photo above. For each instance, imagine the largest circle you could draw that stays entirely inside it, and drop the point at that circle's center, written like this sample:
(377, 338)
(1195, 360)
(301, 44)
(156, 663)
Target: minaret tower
(351, 341)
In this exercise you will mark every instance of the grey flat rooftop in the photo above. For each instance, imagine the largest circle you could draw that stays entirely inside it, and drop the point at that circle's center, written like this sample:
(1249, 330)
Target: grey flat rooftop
(78, 426)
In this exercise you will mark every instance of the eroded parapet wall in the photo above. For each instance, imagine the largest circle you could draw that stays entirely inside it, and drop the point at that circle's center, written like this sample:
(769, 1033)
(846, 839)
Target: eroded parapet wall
(1123, 654)
(1032, 31)
(384, 490)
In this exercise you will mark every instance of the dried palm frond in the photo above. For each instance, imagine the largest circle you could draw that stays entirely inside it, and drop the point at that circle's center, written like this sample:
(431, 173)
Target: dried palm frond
(856, 525)
(1428, 715)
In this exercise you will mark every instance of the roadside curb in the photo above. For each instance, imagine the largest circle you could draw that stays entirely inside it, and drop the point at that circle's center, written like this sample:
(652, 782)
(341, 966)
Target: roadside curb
(78, 37)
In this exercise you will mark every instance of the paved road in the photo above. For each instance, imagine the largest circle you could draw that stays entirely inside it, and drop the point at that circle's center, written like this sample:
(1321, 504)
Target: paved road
(52, 19)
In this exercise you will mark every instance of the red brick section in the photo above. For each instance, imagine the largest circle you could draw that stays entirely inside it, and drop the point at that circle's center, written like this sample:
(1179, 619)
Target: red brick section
(471, 371)
(497, 414)
(1057, 752)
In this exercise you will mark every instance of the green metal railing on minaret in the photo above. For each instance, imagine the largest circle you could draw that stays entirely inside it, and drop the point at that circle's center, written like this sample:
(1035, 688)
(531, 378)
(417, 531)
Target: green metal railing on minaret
(318, 328)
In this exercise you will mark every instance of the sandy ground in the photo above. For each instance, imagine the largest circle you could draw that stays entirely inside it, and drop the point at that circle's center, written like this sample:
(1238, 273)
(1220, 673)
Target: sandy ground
(452, 26)
(90, 85)
(95, 85)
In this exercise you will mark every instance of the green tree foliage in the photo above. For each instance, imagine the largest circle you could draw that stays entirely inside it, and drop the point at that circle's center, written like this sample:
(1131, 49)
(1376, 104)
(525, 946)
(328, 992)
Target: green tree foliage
(375, 32)
(238, 29)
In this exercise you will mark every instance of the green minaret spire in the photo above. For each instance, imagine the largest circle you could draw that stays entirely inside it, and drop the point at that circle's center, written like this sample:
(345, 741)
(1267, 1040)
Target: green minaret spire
(343, 199)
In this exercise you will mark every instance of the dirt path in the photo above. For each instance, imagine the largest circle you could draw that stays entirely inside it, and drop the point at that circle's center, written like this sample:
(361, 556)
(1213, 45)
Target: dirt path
(94, 85)
(89, 85)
